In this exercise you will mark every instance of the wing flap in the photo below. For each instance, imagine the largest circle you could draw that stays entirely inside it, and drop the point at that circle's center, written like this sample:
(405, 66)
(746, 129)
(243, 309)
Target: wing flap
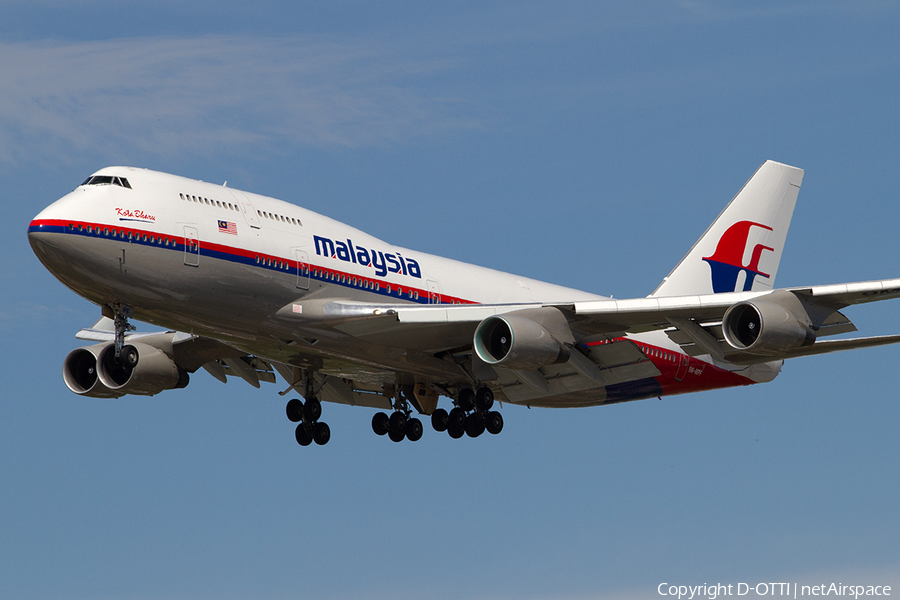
(826, 347)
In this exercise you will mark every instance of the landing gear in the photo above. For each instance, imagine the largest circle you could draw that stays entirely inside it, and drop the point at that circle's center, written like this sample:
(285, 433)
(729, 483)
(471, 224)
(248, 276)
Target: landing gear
(120, 321)
(400, 424)
(124, 358)
(306, 415)
(471, 416)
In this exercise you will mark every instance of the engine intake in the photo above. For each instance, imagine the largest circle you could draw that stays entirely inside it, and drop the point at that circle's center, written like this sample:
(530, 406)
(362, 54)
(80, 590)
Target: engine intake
(515, 342)
(81, 373)
(768, 328)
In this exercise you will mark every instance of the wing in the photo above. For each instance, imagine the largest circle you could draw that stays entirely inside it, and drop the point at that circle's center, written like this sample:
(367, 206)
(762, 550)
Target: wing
(694, 322)
(223, 361)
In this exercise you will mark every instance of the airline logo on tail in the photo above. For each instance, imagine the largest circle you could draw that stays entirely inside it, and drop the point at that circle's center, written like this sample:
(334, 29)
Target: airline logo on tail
(727, 261)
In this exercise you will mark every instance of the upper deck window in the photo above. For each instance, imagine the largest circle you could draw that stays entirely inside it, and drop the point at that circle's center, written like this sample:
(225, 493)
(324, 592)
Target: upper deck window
(107, 180)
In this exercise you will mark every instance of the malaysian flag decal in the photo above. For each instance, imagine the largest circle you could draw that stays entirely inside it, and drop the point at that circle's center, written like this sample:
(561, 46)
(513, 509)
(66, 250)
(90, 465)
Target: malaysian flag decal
(228, 227)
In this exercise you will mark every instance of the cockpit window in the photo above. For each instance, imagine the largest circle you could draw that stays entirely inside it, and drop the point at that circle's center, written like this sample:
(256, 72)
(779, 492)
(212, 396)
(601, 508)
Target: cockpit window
(107, 180)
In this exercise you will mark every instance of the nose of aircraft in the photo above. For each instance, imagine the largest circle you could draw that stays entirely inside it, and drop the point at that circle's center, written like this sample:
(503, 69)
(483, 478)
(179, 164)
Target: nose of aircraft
(41, 230)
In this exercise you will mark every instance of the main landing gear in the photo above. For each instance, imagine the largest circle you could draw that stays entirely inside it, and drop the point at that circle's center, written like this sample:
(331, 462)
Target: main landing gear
(309, 428)
(400, 424)
(471, 416)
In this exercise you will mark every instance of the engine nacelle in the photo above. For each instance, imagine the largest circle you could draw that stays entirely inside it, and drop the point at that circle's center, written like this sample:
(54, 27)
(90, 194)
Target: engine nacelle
(768, 328)
(94, 371)
(515, 342)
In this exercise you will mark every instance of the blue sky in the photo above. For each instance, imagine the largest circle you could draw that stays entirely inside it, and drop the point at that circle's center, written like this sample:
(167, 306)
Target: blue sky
(587, 144)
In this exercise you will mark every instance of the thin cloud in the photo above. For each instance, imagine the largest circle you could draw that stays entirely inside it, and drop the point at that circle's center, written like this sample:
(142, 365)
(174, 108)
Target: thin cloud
(166, 95)
(22, 315)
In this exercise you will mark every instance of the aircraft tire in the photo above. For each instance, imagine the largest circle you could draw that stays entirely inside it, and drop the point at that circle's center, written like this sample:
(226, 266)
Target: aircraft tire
(456, 432)
(484, 399)
(414, 430)
(493, 422)
(321, 433)
(294, 410)
(440, 419)
(396, 435)
(381, 423)
(303, 435)
(398, 422)
(474, 426)
(312, 410)
(457, 419)
(129, 357)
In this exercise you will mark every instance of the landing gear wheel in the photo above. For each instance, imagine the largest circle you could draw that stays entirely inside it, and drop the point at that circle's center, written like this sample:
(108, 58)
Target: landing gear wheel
(303, 435)
(440, 419)
(456, 432)
(396, 435)
(414, 430)
(312, 410)
(457, 419)
(129, 357)
(321, 433)
(294, 410)
(381, 423)
(466, 399)
(474, 426)
(493, 422)
(484, 399)
(398, 422)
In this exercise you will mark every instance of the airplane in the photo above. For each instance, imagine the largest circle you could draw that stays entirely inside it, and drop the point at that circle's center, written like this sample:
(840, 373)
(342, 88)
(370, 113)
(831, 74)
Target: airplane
(248, 286)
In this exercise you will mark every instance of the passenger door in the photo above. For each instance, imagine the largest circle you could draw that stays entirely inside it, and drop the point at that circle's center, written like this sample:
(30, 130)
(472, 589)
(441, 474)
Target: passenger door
(302, 258)
(191, 246)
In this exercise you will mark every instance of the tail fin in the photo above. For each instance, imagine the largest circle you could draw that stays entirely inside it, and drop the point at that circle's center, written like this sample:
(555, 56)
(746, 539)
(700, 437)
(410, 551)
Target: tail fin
(742, 248)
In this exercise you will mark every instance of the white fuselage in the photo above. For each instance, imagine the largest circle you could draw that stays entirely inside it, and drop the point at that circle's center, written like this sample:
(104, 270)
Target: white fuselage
(213, 261)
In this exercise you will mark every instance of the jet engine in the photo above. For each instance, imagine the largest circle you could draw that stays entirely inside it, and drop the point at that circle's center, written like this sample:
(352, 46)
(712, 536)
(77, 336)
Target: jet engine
(516, 342)
(94, 371)
(768, 327)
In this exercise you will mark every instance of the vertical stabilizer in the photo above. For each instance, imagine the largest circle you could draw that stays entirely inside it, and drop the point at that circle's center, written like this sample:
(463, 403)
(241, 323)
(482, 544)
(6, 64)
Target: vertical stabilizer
(741, 250)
